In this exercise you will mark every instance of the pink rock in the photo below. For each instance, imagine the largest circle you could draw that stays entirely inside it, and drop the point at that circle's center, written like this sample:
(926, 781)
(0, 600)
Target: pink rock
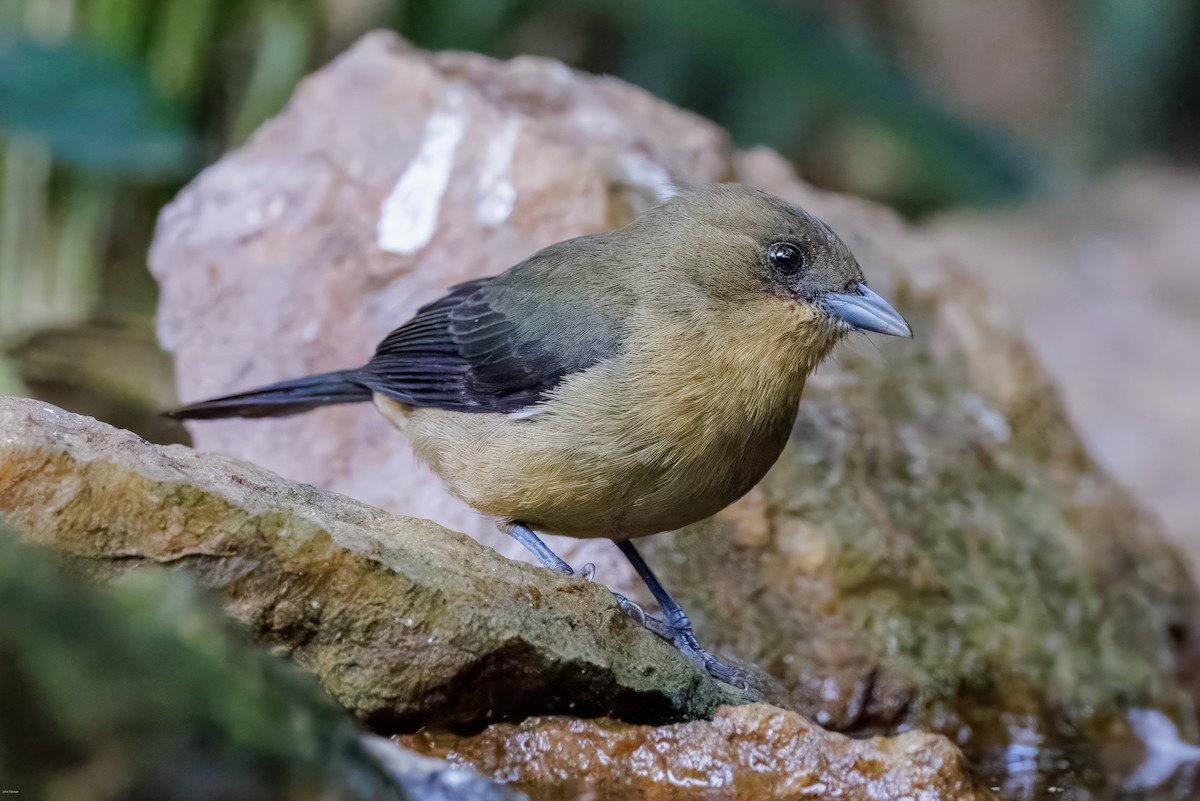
(391, 175)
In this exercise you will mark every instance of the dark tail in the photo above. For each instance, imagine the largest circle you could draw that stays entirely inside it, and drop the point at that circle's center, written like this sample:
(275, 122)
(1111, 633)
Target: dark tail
(282, 399)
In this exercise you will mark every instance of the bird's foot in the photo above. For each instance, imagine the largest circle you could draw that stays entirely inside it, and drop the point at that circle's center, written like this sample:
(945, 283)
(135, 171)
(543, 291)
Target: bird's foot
(633, 610)
(685, 640)
(675, 629)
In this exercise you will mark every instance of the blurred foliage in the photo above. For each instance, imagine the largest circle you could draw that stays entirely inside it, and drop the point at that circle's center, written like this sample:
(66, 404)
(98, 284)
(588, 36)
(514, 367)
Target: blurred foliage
(779, 74)
(145, 690)
(108, 106)
(1135, 49)
(47, 92)
(72, 367)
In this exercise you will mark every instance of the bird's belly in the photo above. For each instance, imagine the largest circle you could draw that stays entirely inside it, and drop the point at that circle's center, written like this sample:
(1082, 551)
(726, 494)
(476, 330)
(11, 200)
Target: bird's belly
(548, 473)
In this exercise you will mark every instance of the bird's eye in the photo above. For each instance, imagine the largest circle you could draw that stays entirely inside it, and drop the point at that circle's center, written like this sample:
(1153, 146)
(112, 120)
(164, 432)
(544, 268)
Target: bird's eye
(786, 257)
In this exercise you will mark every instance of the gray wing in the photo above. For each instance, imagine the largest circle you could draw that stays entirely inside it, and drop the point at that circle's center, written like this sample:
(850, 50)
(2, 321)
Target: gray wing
(500, 344)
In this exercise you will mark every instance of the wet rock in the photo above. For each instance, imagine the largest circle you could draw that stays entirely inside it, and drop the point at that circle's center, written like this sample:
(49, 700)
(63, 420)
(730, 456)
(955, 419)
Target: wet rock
(144, 690)
(935, 547)
(405, 623)
(427, 779)
(753, 751)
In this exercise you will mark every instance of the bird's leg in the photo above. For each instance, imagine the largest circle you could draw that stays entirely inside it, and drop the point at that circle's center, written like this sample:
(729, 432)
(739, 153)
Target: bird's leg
(679, 628)
(533, 543)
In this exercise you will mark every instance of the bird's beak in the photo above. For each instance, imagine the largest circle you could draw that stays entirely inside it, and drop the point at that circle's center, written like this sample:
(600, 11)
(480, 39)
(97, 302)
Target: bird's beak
(866, 311)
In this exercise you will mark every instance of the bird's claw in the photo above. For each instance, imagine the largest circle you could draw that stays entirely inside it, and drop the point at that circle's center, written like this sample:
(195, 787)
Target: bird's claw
(633, 610)
(685, 640)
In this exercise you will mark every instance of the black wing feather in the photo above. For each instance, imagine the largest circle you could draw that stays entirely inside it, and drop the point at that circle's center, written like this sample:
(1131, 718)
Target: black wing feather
(474, 350)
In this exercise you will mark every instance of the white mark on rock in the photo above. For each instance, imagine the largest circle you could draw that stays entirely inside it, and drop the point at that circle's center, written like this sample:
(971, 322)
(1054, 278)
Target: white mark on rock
(558, 72)
(988, 418)
(311, 330)
(409, 215)
(1165, 751)
(276, 206)
(640, 171)
(496, 190)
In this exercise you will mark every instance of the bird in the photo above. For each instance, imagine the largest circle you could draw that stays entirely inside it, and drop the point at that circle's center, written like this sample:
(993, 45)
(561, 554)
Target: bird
(618, 384)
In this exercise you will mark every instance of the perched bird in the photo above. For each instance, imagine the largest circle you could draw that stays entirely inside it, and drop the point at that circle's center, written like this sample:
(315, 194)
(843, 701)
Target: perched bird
(618, 384)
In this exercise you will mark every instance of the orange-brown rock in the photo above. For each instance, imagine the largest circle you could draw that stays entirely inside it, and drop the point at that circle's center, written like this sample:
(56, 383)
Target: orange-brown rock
(747, 752)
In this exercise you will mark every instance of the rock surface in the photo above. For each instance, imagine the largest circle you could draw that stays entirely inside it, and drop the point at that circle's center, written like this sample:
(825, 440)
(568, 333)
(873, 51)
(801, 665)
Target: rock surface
(747, 752)
(144, 690)
(935, 548)
(391, 175)
(1107, 286)
(405, 623)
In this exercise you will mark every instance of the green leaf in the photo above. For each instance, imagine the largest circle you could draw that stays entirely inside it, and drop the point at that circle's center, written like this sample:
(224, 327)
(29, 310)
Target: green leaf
(91, 109)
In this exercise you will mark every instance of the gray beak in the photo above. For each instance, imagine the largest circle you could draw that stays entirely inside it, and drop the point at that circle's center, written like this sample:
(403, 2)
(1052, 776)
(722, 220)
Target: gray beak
(866, 311)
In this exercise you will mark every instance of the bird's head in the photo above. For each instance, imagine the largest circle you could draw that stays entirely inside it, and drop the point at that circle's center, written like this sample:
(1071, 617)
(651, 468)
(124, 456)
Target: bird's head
(749, 248)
